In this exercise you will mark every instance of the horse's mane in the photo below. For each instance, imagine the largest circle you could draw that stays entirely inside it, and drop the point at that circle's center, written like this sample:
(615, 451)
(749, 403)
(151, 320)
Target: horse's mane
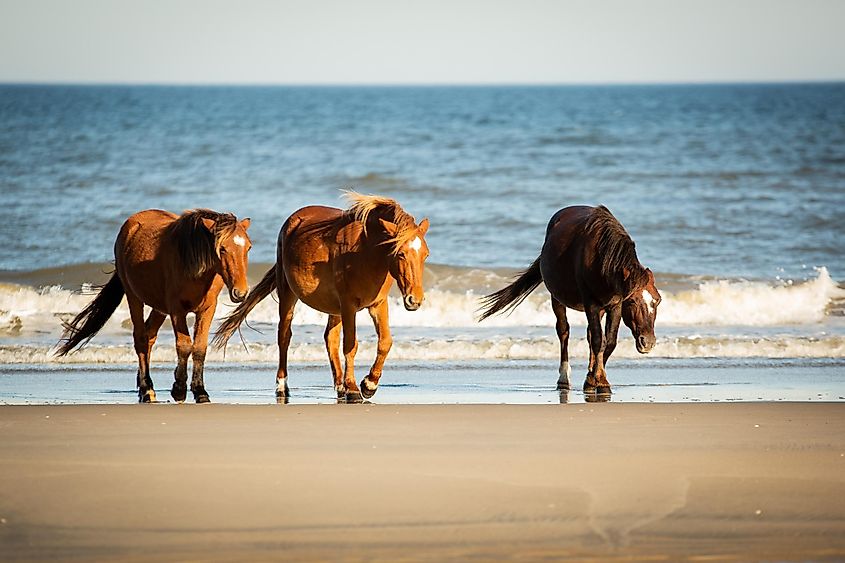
(198, 248)
(615, 249)
(365, 207)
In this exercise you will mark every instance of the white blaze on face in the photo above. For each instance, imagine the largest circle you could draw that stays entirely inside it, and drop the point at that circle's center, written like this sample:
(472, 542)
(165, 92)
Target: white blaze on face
(239, 240)
(649, 301)
(415, 244)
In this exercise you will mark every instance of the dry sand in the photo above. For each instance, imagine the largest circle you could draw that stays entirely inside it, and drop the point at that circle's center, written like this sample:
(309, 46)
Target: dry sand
(380, 482)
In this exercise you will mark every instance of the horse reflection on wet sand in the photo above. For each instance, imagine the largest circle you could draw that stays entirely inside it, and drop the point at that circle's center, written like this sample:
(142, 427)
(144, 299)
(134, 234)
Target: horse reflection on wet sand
(588, 263)
(176, 265)
(340, 262)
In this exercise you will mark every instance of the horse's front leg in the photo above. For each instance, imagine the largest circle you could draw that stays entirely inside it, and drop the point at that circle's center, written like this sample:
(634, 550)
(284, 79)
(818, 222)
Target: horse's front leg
(378, 312)
(201, 327)
(350, 347)
(596, 381)
(611, 331)
(183, 352)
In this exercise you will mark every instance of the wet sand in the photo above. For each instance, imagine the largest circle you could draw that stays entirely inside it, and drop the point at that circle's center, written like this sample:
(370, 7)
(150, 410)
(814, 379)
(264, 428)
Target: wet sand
(610, 481)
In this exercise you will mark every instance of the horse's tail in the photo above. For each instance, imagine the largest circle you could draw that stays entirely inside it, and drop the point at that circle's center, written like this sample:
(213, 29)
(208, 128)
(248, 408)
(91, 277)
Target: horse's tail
(87, 323)
(231, 323)
(512, 295)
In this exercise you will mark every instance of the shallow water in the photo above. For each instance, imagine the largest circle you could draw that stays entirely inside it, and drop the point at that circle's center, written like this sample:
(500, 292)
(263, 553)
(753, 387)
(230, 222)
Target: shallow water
(480, 382)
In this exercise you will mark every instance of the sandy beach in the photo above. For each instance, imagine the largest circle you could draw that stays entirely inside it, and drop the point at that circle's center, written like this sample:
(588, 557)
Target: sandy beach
(611, 481)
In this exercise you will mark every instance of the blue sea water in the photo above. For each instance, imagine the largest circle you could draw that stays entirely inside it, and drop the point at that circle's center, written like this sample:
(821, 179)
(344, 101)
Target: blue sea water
(734, 195)
(719, 180)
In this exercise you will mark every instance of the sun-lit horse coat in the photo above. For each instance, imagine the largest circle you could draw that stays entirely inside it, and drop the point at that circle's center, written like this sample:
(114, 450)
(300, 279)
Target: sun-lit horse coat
(588, 263)
(176, 265)
(340, 262)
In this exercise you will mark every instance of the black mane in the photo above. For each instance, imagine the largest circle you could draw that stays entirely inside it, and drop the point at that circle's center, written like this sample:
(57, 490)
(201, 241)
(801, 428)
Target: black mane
(615, 249)
(198, 247)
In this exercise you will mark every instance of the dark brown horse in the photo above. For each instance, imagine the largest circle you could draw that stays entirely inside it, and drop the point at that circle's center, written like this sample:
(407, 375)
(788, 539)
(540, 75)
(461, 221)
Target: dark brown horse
(176, 265)
(340, 262)
(588, 263)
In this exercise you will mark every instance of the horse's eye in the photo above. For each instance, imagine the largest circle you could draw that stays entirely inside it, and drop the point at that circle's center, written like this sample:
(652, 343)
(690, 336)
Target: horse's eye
(223, 250)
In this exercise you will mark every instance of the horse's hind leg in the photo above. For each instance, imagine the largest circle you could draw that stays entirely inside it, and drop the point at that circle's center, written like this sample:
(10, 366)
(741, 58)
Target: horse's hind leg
(287, 300)
(183, 351)
(378, 312)
(562, 327)
(350, 347)
(146, 393)
(201, 327)
(332, 338)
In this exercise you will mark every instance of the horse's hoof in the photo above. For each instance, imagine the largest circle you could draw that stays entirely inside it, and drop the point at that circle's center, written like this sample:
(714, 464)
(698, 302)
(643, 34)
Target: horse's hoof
(200, 395)
(596, 398)
(179, 392)
(563, 386)
(589, 389)
(341, 392)
(147, 397)
(603, 390)
(367, 389)
(354, 397)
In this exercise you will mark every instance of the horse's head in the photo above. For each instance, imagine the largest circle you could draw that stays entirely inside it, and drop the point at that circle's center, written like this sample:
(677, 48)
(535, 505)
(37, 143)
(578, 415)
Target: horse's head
(639, 311)
(407, 262)
(233, 251)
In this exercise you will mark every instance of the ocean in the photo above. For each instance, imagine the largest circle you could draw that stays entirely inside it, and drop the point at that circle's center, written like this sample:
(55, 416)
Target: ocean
(734, 195)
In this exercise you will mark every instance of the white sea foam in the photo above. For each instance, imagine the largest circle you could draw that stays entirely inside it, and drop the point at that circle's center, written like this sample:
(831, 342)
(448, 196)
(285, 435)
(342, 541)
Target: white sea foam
(26, 310)
(430, 349)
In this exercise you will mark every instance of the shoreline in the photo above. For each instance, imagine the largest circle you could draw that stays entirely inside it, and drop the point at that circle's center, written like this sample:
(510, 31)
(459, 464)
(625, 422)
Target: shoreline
(748, 481)
(646, 380)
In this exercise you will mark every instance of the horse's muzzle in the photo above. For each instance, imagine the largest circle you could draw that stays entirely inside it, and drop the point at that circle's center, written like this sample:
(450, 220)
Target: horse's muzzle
(410, 303)
(645, 343)
(237, 295)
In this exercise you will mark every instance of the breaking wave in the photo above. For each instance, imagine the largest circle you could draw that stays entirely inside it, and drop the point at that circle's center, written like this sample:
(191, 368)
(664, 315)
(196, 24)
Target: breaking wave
(686, 302)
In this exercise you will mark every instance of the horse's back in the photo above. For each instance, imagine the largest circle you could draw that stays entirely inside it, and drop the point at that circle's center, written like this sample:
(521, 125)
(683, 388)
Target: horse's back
(304, 254)
(562, 257)
(139, 236)
(141, 251)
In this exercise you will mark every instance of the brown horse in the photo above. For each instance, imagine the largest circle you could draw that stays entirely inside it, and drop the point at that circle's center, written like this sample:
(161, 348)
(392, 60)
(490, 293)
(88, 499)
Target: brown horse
(176, 265)
(588, 263)
(340, 262)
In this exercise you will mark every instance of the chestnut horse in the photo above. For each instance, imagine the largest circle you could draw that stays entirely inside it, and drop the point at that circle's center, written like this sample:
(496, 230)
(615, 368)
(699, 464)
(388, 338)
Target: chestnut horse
(340, 262)
(589, 263)
(176, 265)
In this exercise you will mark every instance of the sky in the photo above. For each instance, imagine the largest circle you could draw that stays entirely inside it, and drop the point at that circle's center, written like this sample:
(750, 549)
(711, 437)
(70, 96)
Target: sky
(421, 41)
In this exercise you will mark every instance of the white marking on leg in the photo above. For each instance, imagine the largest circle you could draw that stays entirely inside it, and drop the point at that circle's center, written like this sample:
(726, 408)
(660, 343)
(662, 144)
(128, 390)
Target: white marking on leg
(282, 386)
(565, 371)
(649, 301)
(239, 240)
(415, 244)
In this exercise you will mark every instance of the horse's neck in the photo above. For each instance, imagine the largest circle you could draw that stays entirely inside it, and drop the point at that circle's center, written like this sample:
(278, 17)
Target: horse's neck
(633, 282)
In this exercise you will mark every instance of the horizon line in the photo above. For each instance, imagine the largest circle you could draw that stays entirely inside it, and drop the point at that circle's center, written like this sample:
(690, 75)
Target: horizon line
(752, 82)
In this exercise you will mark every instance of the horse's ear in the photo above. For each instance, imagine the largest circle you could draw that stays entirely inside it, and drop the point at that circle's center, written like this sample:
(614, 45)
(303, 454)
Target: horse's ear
(245, 223)
(423, 226)
(209, 224)
(391, 228)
